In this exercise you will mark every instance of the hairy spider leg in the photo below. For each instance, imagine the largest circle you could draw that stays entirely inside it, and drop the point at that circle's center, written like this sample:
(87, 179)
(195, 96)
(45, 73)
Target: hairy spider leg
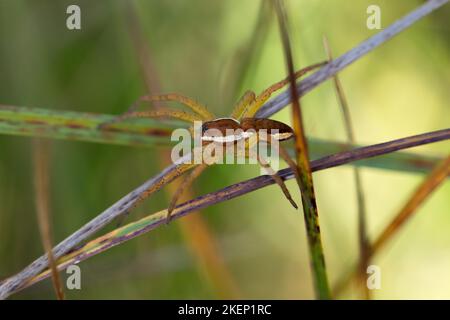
(119, 118)
(159, 113)
(164, 113)
(199, 169)
(189, 179)
(262, 162)
(247, 98)
(291, 163)
(187, 182)
(265, 165)
(180, 169)
(285, 155)
(201, 112)
(266, 94)
(195, 106)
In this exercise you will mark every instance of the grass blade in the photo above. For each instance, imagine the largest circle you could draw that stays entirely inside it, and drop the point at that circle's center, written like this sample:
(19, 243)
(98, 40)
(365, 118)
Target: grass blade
(305, 181)
(306, 85)
(425, 189)
(42, 195)
(244, 62)
(362, 228)
(434, 179)
(78, 126)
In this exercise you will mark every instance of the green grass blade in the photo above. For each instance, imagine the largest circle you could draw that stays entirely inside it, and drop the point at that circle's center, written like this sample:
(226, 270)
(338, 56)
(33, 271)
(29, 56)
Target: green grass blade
(304, 179)
(69, 125)
(78, 126)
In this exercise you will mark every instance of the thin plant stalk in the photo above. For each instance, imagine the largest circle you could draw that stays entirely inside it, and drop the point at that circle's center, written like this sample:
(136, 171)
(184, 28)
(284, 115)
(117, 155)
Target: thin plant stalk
(362, 228)
(245, 60)
(422, 193)
(434, 179)
(309, 83)
(305, 180)
(42, 197)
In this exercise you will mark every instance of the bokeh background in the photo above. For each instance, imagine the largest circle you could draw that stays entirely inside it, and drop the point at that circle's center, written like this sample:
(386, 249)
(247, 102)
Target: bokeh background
(200, 48)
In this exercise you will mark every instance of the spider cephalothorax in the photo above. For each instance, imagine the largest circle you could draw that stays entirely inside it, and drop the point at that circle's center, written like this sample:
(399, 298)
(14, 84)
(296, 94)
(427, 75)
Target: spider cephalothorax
(241, 125)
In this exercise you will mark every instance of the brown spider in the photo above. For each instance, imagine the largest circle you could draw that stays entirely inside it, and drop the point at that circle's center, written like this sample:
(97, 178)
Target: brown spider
(242, 117)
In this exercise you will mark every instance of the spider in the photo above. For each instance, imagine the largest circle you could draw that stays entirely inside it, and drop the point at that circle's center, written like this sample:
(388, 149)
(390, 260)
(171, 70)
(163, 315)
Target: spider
(242, 117)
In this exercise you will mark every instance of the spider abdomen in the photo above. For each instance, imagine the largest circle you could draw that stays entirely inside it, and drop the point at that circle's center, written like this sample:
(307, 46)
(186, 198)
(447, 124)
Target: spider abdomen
(225, 130)
(276, 129)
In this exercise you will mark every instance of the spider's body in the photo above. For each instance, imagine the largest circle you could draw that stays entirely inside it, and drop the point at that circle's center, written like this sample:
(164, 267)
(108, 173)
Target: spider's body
(225, 130)
(241, 125)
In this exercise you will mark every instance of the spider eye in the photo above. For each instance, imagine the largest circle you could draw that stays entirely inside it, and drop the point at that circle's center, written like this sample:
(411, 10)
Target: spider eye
(204, 127)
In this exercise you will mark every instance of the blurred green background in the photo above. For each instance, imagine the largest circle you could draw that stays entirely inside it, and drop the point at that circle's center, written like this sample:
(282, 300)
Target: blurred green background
(200, 48)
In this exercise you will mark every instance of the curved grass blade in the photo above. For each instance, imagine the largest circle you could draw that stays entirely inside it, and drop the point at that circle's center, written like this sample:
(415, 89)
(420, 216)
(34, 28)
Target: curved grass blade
(362, 228)
(42, 196)
(425, 189)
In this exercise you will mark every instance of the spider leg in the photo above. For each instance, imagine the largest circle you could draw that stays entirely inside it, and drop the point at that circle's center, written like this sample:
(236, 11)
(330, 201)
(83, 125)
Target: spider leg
(163, 113)
(187, 182)
(194, 174)
(201, 112)
(286, 157)
(284, 154)
(240, 107)
(278, 180)
(119, 118)
(195, 106)
(182, 168)
(265, 95)
(167, 178)
(158, 113)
